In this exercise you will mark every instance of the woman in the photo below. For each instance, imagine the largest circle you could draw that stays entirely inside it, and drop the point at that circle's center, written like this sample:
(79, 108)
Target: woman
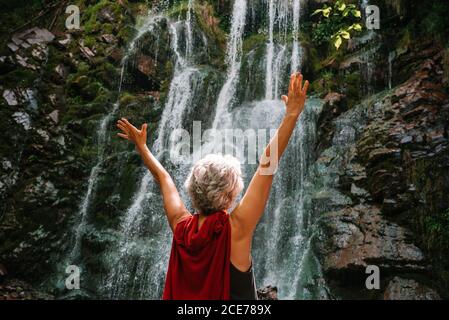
(211, 250)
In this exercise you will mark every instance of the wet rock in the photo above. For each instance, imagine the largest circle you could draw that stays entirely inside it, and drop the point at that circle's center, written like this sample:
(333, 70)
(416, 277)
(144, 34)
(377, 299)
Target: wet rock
(109, 38)
(36, 35)
(406, 139)
(39, 52)
(6, 64)
(13, 289)
(351, 63)
(65, 41)
(3, 272)
(20, 96)
(382, 154)
(358, 191)
(408, 289)
(61, 71)
(23, 119)
(10, 97)
(44, 134)
(267, 293)
(106, 15)
(54, 116)
(335, 104)
(86, 52)
(358, 236)
(12, 47)
(114, 54)
(23, 61)
(145, 65)
(394, 169)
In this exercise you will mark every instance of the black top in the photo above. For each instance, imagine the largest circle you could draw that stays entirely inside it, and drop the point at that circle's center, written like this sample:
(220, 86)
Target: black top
(243, 286)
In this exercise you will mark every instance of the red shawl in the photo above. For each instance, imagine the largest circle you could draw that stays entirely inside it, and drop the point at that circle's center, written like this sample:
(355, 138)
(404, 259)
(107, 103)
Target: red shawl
(200, 259)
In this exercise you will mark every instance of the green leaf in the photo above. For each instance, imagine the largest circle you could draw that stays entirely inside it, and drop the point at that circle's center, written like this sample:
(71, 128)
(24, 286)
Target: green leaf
(356, 13)
(345, 35)
(341, 7)
(357, 27)
(338, 41)
(327, 12)
(317, 11)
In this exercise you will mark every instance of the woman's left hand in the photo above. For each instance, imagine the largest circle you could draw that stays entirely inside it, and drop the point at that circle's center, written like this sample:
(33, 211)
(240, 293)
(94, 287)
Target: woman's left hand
(131, 133)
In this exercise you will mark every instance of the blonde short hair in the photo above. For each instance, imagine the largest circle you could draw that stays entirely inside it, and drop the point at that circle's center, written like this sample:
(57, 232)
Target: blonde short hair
(214, 183)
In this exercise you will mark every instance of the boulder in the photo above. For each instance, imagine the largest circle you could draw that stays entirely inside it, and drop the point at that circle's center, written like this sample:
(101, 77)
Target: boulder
(408, 289)
(106, 15)
(359, 236)
(145, 64)
(10, 97)
(267, 293)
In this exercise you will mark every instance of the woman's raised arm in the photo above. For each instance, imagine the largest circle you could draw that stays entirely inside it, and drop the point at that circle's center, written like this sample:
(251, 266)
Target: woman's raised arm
(173, 204)
(250, 209)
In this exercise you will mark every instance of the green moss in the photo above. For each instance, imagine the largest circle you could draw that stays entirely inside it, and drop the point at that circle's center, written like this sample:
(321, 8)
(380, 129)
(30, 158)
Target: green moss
(127, 98)
(126, 33)
(90, 41)
(16, 13)
(253, 41)
(107, 28)
(83, 68)
(351, 83)
(405, 41)
(436, 231)
(20, 77)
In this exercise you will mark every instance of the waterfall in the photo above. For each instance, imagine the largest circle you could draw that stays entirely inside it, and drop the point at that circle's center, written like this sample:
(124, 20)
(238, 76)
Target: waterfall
(275, 53)
(101, 147)
(282, 252)
(139, 264)
(270, 48)
(391, 57)
(136, 261)
(296, 51)
(81, 223)
(233, 60)
(368, 57)
(278, 69)
(189, 35)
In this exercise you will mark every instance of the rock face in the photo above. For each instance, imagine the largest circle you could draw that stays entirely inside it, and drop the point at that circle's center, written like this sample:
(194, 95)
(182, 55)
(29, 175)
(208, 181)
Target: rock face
(55, 86)
(14, 289)
(392, 168)
(408, 289)
(268, 293)
(359, 236)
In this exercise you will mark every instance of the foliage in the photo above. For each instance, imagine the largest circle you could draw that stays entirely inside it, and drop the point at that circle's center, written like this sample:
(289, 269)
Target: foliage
(437, 231)
(433, 22)
(337, 23)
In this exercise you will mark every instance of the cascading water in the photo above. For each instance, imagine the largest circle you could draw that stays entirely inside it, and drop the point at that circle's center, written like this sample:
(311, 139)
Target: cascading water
(270, 49)
(368, 55)
(140, 261)
(137, 263)
(282, 255)
(101, 145)
(80, 225)
(296, 51)
(233, 59)
(189, 35)
(391, 57)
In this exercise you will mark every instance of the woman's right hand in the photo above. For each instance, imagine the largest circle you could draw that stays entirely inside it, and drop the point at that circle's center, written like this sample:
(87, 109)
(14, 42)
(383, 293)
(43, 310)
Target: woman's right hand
(131, 133)
(297, 94)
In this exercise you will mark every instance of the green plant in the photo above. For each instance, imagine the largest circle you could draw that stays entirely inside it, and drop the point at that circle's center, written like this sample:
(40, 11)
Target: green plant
(437, 231)
(337, 23)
